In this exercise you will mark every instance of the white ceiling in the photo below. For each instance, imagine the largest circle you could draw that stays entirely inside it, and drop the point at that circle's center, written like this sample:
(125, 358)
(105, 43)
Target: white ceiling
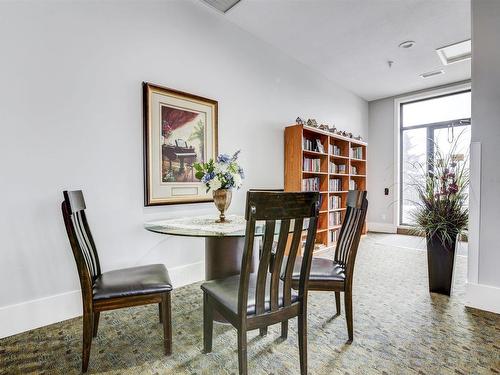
(350, 41)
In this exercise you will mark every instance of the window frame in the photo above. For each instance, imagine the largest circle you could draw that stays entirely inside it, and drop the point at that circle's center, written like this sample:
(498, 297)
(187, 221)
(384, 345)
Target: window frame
(430, 129)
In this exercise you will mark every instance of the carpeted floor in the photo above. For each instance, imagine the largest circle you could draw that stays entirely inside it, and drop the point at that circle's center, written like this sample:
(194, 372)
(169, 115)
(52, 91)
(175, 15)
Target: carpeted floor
(399, 328)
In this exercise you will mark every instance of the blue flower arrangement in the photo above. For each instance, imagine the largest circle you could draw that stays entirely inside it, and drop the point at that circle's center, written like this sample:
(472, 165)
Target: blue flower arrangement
(223, 173)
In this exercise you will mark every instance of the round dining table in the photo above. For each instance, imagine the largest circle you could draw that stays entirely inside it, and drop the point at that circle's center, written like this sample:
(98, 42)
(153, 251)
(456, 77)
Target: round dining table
(224, 242)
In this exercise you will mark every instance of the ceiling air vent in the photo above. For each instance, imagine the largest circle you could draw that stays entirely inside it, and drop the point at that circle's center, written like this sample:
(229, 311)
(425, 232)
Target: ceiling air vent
(222, 5)
(455, 52)
(432, 74)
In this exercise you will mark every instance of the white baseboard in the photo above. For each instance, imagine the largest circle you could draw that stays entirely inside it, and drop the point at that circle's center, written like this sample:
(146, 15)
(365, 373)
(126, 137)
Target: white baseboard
(382, 227)
(187, 274)
(483, 297)
(40, 312)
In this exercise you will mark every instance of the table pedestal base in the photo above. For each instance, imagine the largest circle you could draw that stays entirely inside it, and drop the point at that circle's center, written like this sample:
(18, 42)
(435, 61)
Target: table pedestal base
(223, 257)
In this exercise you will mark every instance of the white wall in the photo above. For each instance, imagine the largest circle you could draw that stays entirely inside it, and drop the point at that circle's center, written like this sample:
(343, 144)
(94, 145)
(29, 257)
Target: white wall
(70, 114)
(483, 289)
(381, 165)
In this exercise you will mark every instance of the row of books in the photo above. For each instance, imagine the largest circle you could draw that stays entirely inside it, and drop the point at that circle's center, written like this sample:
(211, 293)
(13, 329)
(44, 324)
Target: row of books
(310, 184)
(334, 235)
(357, 152)
(334, 218)
(335, 202)
(337, 168)
(334, 150)
(311, 165)
(353, 185)
(335, 184)
(312, 145)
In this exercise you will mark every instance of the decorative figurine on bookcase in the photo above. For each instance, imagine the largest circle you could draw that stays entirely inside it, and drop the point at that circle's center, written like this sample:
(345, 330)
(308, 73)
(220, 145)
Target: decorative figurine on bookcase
(358, 138)
(323, 127)
(332, 129)
(349, 135)
(312, 123)
(299, 121)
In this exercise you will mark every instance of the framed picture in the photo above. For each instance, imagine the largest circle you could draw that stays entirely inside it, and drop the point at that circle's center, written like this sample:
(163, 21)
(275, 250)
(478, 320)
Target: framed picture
(180, 129)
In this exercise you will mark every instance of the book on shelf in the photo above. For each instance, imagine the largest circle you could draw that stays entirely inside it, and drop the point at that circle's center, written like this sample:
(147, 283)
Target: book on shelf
(310, 184)
(335, 184)
(354, 170)
(311, 165)
(337, 168)
(335, 202)
(334, 218)
(334, 150)
(312, 145)
(334, 235)
(353, 185)
(357, 152)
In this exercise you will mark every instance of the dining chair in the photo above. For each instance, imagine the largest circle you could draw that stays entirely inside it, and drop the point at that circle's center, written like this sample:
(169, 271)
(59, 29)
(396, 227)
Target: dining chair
(337, 275)
(102, 291)
(252, 301)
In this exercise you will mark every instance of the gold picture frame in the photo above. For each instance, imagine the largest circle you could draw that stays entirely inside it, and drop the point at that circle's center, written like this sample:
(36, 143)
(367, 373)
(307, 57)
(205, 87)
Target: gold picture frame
(179, 130)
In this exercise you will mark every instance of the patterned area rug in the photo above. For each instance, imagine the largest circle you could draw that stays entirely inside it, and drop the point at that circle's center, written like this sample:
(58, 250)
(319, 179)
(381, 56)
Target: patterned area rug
(399, 328)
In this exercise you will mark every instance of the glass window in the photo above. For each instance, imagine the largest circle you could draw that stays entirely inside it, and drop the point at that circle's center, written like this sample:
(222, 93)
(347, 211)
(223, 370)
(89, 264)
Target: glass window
(425, 125)
(443, 108)
(414, 157)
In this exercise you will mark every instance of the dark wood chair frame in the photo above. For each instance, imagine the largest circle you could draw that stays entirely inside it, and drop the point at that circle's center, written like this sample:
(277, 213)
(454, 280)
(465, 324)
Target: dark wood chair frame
(270, 207)
(345, 256)
(89, 269)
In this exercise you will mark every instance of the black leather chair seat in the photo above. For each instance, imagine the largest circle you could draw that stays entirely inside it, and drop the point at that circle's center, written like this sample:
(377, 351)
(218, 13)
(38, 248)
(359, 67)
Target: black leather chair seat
(226, 292)
(321, 270)
(133, 281)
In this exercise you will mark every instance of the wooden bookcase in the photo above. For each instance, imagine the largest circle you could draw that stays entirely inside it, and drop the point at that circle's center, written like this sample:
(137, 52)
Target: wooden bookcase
(339, 165)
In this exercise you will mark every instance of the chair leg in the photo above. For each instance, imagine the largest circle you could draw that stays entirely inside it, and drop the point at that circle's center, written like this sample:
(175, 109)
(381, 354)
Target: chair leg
(96, 323)
(337, 302)
(284, 329)
(208, 324)
(160, 312)
(263, 331)
(242, 352)
(348, 313)
(167, 323)
(302, 323)
(87, 340)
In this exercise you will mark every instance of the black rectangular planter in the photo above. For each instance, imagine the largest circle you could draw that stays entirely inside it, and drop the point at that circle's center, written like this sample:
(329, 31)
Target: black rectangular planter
(440, 260)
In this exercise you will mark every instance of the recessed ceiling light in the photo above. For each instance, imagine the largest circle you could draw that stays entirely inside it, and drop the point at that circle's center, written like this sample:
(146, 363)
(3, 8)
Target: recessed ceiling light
(407, 44)
(431, 74)
(455, 52)
(222, 5)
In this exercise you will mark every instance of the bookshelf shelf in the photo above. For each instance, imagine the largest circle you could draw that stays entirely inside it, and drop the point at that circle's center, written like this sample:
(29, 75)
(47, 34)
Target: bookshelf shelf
(309, 172)
(314, 153)
(339, 163)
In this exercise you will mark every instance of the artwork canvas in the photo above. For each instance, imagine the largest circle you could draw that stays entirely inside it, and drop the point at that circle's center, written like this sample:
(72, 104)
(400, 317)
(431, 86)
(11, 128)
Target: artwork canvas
(180, 129)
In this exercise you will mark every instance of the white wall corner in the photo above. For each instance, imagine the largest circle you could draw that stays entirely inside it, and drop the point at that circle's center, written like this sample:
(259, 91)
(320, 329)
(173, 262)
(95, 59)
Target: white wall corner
(41, 312)
(482, 297)
(382, 227)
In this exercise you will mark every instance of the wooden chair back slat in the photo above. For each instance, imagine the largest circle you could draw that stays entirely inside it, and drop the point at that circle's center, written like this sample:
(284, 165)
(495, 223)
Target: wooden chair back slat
(290, 262)
(263, 270)
(273, 207)
(278, 259)
(350, 232)
(82, 242)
